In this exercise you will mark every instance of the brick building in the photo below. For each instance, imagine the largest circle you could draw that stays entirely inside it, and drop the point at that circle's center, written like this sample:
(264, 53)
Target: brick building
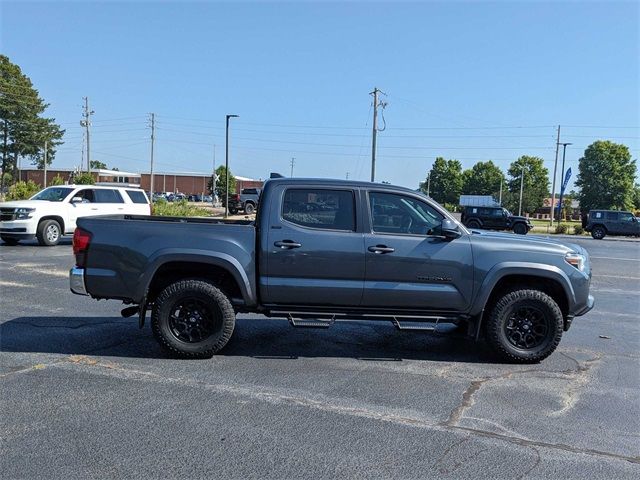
(187, 183)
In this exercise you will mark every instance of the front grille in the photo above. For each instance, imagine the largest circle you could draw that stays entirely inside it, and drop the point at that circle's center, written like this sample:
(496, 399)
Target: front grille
(7, 214)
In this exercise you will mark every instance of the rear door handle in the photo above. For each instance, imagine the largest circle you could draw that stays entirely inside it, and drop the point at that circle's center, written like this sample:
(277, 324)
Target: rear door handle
(284, 244)
(380, 249)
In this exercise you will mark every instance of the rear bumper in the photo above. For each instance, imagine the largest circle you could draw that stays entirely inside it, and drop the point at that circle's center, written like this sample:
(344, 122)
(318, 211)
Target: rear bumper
(76, 281)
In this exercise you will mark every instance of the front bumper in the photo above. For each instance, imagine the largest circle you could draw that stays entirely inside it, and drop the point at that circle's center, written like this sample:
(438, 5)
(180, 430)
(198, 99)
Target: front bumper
(76, 281)
(589, 306)
(18, 227)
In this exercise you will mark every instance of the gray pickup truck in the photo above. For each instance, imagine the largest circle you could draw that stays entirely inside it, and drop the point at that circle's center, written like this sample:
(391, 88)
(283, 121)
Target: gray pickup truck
(327, 250)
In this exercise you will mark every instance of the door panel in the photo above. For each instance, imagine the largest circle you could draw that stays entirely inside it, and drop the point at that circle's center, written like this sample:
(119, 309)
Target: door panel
(408, 265)
(314, 255)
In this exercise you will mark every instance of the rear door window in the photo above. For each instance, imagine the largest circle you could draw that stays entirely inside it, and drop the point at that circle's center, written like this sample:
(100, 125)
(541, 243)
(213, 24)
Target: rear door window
(108, 196)
(137, 196)
(320, 208)
(612, 216)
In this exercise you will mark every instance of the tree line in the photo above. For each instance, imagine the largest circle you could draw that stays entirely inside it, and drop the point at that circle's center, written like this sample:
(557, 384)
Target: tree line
(606, 179)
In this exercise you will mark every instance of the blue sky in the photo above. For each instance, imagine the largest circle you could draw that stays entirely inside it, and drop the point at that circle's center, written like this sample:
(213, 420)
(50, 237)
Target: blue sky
(459, 77)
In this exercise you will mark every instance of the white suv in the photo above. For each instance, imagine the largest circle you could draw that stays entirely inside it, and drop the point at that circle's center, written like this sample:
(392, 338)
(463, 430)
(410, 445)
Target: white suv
(53, 212)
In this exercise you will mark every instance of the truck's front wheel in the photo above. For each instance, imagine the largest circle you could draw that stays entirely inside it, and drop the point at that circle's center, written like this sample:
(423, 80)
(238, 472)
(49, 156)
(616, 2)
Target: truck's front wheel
(193, 319)
(525, 326)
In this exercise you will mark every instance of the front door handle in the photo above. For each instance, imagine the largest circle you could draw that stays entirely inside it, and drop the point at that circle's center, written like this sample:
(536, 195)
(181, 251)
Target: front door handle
(380, 249)
(284, 244)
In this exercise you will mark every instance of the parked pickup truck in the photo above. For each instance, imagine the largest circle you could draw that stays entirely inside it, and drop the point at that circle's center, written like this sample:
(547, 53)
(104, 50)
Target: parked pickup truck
(327, 250)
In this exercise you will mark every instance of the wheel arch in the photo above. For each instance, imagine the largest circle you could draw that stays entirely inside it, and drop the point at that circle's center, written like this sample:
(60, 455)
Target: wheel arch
(221, 269)
(57, 218)
(546, 278)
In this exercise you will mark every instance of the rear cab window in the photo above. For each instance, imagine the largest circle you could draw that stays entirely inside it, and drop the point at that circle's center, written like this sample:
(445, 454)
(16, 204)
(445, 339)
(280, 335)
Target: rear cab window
(319, 208)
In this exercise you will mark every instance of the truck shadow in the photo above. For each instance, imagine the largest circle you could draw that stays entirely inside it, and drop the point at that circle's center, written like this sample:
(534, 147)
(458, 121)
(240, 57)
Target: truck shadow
(253, 337)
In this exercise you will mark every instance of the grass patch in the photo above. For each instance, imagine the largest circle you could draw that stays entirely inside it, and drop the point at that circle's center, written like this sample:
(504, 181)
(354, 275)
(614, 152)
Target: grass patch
(162, 208)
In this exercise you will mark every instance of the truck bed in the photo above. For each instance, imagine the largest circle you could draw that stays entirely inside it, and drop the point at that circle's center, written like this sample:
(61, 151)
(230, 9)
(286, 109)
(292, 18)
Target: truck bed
(126, 250)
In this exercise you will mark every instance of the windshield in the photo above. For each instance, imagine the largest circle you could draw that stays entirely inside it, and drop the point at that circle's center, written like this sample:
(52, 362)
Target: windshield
(53, 194)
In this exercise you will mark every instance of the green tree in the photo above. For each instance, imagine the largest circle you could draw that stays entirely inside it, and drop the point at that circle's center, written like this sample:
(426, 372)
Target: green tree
(484, 178)
(444, 181)
(636, 197)
(83, 178)
(95, 164)
(536, 184)
(606, 176)
(23, 129)
(221, 182)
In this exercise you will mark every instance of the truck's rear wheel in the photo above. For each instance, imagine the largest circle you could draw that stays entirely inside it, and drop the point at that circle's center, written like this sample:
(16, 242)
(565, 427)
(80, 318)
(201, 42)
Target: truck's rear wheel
(525, 326)
(598, 232)
(473, 224)
(193, 319)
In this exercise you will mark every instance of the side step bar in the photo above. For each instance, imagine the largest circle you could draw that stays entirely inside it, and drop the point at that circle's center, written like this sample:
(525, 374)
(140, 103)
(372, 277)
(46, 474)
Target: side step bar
(308, 319)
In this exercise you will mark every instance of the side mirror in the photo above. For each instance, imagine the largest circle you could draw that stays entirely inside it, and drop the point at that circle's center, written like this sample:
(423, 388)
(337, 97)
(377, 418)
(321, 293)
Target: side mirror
(450, 229)
(76, 200)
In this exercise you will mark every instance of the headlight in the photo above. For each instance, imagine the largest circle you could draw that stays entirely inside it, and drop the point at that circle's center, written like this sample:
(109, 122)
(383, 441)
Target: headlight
(576, 260)
(24, 213)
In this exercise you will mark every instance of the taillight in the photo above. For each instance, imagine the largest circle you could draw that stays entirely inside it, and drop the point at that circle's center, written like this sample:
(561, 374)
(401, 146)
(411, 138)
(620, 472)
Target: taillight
(81, 240)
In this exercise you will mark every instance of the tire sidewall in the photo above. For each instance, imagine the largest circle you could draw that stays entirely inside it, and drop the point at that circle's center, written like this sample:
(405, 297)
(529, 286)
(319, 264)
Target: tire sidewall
(42, 233)
(249, 208)
(598, 233)
(474, 224)
(216, 301)
(520, 229)
(503, 309)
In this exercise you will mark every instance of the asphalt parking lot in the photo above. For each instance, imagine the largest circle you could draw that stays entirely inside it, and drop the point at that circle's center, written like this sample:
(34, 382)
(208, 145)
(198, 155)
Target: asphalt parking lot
(85, 393)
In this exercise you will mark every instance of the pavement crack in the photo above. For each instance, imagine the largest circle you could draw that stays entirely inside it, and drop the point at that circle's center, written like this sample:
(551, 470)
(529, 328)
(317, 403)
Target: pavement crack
(578, 379)
(467, 402)
(72, 327)
(336, 406)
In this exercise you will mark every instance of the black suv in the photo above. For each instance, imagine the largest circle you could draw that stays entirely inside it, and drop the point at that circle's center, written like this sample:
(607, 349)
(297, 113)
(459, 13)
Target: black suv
(612, 222)
(495, 218)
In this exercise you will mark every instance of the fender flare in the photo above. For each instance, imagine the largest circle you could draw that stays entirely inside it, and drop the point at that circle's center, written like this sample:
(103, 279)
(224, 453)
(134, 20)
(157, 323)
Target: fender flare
(532, 269)
(218, 259)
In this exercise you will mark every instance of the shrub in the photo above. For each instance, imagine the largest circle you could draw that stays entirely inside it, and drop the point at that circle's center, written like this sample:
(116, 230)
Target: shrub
(182, 208)
(578, 230)
(57, 180)
(23, 190)
(84, 178)
(561, 229)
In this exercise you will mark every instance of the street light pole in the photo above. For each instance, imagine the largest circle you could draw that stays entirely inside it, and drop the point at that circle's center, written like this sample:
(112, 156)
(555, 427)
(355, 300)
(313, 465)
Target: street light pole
(226, 164)
(562, 173)
(521, 191)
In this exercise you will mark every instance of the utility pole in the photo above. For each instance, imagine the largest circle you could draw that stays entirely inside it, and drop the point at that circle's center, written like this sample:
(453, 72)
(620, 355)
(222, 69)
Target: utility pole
(521, 190)
(347, 176)
(500, 200)
(46, 144)
(429, 184)
(153, 137)
(564, 151)
(214, 180)
(375, 133)
(293, 162)
(226, 193)
(87, 123)
(553, 188)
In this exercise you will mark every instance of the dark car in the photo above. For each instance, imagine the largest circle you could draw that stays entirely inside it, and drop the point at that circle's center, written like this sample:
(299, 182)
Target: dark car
(495, 218)
(601, 223)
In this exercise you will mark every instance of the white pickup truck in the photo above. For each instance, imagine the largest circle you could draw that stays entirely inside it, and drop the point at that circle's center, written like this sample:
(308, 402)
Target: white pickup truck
(53, 212)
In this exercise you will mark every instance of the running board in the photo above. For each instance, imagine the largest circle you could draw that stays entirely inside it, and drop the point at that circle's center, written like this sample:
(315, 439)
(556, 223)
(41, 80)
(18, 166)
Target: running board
(310, 322)
(426, 324)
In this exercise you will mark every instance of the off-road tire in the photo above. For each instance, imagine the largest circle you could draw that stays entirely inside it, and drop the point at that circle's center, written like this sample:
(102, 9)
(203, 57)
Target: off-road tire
(169, 300)
(10, 241)
(233, 210)
(473, 224)
(249, 208)
(46, 233)
(507, 306)
(520, 229)
(598, 232)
